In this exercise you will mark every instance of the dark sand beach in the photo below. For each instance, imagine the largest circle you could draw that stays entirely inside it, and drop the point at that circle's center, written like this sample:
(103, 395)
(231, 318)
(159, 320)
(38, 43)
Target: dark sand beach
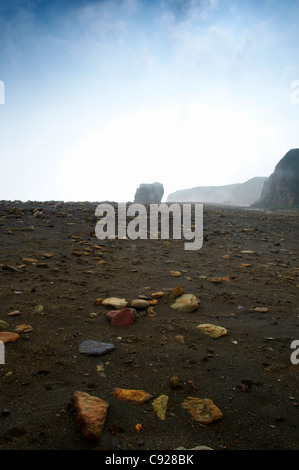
(246, 277)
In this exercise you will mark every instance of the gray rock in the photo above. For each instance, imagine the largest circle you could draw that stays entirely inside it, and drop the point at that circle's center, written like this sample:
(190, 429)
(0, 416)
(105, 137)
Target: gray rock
(149, 193)
(95, 348)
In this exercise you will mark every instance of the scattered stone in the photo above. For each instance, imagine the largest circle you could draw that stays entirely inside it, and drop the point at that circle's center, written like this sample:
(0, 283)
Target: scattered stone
(180, 339)
(7, 337)
(95, 348)
(202, 409)
(212, 330)
(124, 317)
(28, 228)
(91, 414)
(115, 302)
(175, 382)
(175, 273)
(97, 301)
(216, 279)
(3, 325)
(151, 312)
(177, 291)
(186, 303)
(247, 252)
(261, 309)
(77, 253)
(138, 428)
(157, 295)
(160, 406)
(15, 313)
(23, 329)
(8, 267)
(93, 314)
(135, 397)
(139, 303)
(38, 309)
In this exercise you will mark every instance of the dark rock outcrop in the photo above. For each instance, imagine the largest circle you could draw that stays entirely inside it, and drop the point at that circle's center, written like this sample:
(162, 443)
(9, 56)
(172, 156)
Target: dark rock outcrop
(149, 193)
(282, 187)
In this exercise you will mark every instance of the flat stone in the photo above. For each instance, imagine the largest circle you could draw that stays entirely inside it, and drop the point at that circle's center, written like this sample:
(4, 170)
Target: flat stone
(157, 295)
(261, 309)
(202, 409)
(15, 313)
(95, 348)
(23, 328)
(160, 406)
(135, 397)
(115, 302)
(7, 337)
(186, 303)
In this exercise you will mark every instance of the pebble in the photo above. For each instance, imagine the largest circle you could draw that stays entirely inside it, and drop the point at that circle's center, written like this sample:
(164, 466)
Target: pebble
(38, 309)
(115, 302)
(175, 382)
(95, 348)
(157, 295)
(212, 330)
(7, 337)
(135, 397)
(186, 303)
(140, 303)
(3, 325)
(160, 406)
(177, 291)
(23, 328)
(124, 317)
(175, 273)
(93, 314)
(14, 313)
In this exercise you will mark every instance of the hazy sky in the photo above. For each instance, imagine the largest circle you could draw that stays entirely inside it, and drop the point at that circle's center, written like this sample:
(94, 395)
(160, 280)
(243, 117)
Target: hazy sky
(100, 96)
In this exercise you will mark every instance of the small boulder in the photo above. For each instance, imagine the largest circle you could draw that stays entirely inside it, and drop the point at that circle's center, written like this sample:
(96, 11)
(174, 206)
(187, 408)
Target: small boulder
(91, 414)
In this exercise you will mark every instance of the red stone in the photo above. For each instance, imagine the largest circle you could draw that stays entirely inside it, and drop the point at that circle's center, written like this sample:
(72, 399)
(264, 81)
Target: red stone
(122, 317)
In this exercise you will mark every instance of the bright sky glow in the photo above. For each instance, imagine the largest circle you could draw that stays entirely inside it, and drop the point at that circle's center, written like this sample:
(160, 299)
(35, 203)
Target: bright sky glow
(101, 96)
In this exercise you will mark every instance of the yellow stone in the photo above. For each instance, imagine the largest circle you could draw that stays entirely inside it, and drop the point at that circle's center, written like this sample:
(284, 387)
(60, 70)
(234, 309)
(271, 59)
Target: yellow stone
(212, 330)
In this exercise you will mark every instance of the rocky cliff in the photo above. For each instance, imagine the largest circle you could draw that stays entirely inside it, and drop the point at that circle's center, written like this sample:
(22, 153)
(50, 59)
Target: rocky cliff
(240, 194)
(282, 187)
